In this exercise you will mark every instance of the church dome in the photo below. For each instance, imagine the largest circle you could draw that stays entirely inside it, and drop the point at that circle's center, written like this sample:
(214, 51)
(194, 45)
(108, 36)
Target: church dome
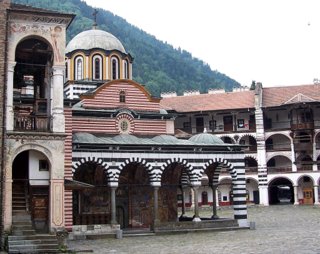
(95, 38)
(206, 139)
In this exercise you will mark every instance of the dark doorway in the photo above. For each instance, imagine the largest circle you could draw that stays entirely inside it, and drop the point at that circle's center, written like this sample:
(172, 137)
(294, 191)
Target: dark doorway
(281, 192)
(199, 124)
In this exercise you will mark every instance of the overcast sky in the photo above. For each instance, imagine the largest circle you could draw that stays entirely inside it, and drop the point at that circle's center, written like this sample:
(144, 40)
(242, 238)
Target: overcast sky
(276, 42)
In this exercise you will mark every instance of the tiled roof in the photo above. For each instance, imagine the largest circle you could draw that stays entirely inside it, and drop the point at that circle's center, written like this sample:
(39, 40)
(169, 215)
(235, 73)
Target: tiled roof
(276, 96)
(209, 102)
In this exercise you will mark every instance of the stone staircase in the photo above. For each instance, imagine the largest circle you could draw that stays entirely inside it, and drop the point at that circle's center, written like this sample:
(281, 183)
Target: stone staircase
(23, 238)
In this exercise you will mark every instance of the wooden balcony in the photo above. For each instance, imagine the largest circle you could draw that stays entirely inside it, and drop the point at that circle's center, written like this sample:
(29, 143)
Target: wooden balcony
(302, 126)
(24, 122)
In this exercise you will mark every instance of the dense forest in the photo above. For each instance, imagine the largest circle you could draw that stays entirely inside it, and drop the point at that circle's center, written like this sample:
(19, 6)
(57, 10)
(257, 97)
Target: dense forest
(157, 65)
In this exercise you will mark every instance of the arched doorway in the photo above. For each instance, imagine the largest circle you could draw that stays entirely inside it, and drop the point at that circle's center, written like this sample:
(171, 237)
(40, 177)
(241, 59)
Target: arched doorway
(250, 142)
(30, 188)
(174, 179)
(305, 190)
(91, 197)
(134, 197)
(281, 191)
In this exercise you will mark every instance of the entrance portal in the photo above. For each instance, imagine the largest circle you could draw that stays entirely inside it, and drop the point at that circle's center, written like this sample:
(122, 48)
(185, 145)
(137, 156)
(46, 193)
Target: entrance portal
(30, 188)
(280, 192)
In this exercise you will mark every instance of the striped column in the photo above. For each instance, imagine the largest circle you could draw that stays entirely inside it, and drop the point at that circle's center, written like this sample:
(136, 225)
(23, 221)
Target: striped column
(261, 156)
(239, 195)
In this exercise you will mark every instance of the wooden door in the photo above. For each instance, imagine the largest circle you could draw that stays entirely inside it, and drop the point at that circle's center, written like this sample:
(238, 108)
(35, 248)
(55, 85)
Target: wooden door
(40, 208)
(228, 123)
(308, 196)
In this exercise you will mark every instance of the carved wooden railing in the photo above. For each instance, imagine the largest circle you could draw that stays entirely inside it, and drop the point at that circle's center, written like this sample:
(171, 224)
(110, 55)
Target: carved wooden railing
(24, 122)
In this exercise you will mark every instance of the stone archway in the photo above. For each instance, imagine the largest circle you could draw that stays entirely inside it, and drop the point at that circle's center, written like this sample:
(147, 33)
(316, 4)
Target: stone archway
(91, 195)
(31, 188)
(134, 197)
(281, 191)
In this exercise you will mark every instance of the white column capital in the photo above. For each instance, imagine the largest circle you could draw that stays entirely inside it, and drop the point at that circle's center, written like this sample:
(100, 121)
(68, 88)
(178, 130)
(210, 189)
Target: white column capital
(58, 70)
(11, 66)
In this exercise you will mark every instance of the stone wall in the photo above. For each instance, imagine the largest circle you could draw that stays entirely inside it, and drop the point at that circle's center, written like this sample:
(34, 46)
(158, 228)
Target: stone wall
(4, 4)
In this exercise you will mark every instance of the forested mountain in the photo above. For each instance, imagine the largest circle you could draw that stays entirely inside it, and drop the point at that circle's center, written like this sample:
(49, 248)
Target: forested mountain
(157, 64)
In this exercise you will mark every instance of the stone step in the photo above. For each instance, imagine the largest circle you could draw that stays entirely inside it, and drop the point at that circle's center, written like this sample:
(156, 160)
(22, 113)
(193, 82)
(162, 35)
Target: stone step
(36, 242)
(19, 201)
(22, 227)
(42, 243)
(22, 223)
(34, 248)
(23, 232)
(138, 234)
(21, 216)
(18, 206)
(31, 237)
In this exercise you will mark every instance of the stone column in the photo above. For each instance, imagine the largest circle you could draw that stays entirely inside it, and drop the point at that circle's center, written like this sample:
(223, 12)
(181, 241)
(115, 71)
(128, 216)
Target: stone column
(196, 204)
(293, 160)
(316, 195)
(296, 198)
(183, 205)
(314, 149)
(214, 202)
(58, 121)
(155, 205)
(263, 195)
(113, 205)
(9, 94)
(261, 156)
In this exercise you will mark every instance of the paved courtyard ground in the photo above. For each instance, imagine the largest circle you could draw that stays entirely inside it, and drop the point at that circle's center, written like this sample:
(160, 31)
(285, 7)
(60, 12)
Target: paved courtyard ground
(279, 229)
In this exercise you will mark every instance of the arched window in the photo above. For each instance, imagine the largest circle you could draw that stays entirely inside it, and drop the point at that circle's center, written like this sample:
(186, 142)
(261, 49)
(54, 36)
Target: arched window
(97, 67)
(126, 69)
(115, 68)
(78, 72)
(122, 96)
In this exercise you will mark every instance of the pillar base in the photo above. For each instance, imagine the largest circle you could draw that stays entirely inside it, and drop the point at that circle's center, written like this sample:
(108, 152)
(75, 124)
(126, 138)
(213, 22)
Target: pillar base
(214, 217)
(196, 219)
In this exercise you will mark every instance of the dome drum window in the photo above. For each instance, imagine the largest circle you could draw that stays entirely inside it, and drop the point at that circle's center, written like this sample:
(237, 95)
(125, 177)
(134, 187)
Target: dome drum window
(78, 72)
(115, 68)
(97, 67)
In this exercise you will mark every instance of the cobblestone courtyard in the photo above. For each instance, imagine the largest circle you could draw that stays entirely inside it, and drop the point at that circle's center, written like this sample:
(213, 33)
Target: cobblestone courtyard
(279, 229)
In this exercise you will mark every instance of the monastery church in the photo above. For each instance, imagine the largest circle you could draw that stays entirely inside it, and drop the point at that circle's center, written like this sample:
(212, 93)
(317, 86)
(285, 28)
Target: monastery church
(89, 151)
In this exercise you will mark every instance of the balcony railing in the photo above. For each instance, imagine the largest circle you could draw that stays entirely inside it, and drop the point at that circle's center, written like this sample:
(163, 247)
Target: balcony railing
(31, 123)
(302, 126)
(278, 147)
(276, 170)
(250, 170)
(304, 168)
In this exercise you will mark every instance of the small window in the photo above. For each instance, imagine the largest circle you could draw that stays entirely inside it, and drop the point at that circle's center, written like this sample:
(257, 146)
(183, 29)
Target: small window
(212, 124)
(186, 125)
(122, 96)
(240, 123)
(43, 165)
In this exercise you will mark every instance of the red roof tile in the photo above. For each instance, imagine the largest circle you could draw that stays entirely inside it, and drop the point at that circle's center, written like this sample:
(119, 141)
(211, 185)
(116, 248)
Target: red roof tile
(209, 102)
(276, 96)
